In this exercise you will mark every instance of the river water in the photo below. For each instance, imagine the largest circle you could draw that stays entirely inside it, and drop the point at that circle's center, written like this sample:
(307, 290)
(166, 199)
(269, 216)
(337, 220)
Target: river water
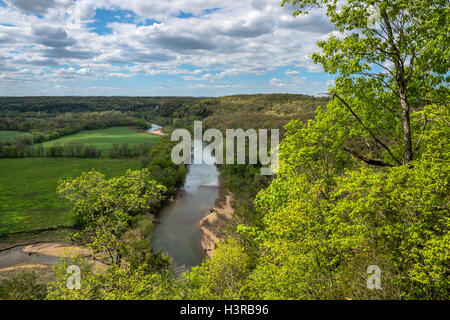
(17, 256)
(154, 127)
(178, 234)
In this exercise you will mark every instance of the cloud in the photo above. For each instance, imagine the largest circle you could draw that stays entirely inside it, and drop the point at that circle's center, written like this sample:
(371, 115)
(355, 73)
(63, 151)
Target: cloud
(209, 41)
(40, 62)
(61, 53)
(37, 6)
(277, 83)
(315, 22)
(163, 9)
(249, 27)
(53, 37)
(205, 77)
(183, 43)
(4, 67)
(291, 72)
(125, 57)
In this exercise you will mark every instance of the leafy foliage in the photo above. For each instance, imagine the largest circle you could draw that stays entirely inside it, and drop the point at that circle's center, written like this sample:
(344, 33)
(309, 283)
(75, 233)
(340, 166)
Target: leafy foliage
(22, 286)
(159, 163)
(104, 207)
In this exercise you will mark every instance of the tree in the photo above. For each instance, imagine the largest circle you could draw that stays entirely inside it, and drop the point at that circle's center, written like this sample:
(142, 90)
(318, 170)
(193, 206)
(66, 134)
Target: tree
(391, 59)
(24, 285)
(117, 282)
(104, 207)
(222, 276)
(325, 217)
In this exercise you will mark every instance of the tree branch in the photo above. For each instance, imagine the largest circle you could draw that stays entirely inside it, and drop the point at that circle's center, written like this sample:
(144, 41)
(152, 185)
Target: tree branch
(367, 129)
(368, 161)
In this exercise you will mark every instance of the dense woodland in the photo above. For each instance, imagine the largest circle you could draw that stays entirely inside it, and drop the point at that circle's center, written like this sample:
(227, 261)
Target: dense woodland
(44, 119)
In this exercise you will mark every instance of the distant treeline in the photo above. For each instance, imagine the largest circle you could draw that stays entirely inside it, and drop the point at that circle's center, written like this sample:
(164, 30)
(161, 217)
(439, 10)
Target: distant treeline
(54, 105)
(50, 114)
(71, 150)
(257, 111)
(45, 127)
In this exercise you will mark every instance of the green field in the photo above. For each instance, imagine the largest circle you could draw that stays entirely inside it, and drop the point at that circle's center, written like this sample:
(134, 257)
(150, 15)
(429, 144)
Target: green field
(6, 135)
(28, 199)
(103, 139)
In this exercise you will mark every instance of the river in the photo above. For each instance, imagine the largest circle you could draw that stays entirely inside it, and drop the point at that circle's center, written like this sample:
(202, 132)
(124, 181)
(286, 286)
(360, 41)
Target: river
(153, 128)
(20, 255)
(178, 234)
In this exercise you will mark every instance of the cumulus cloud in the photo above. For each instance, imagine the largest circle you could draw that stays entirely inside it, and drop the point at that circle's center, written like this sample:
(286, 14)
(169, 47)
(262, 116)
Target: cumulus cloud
(316, 22)
(217, 39)
(182, 43)
(249, 26)
(291, 72)
(53, 37)
(277, 83)
(62, 53)
(37, 6)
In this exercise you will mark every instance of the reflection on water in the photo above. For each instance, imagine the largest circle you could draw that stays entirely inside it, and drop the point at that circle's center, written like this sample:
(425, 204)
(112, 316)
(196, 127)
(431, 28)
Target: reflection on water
(179, 233)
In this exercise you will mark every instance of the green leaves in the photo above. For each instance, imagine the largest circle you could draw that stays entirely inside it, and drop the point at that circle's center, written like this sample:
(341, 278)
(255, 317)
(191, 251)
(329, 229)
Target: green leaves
(221, 277)
(385, 71)
(104, 207)
(325, 220)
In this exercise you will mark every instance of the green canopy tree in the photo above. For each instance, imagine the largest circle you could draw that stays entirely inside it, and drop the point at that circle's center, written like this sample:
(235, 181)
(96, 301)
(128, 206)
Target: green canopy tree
(327, 216)
(390, 58)
(104, 207)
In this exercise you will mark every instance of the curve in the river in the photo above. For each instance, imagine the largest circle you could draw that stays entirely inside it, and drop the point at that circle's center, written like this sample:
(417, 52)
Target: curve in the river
(178, 233)
(153, 128)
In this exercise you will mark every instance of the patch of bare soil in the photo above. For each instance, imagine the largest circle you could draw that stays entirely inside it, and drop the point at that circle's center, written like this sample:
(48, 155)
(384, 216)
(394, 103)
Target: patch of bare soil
(213, 223)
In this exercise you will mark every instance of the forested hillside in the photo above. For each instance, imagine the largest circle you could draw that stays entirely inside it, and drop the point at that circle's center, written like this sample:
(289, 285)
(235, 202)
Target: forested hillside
(363, 180)
(363, 185)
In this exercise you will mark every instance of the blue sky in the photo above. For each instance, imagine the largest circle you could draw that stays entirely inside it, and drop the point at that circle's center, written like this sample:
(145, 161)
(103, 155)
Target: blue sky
(148, 48)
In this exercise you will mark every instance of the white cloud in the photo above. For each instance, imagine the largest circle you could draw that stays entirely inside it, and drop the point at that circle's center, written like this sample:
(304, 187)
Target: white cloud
(277, 83)
(52, 40)
(291, 72)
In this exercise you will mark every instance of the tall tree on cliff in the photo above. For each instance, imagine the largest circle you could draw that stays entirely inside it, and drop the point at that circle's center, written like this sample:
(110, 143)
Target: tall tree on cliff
(390, 58)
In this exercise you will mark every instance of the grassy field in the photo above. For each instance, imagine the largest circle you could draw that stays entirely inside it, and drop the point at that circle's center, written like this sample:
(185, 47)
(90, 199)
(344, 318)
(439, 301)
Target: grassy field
(28, 199)
(103, 139)
(6, 135)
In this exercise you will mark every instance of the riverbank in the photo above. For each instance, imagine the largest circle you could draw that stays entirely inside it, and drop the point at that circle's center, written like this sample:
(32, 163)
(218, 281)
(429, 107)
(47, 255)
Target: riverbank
(212, 225)
(54, 235)
(40, 255)
(158, 133)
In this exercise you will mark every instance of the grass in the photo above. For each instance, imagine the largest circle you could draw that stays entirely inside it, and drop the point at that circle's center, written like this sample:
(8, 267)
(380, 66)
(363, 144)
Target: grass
(28, 199)
(103, 139)
(6, 135)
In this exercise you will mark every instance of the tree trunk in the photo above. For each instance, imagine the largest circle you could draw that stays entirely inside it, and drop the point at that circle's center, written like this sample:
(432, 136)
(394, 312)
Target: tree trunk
(402, 84)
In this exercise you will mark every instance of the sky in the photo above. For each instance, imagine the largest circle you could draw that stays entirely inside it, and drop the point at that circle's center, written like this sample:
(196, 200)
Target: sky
(158, 48)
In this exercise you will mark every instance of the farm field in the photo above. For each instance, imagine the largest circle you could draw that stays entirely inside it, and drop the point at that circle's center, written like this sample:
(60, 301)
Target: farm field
(28, 199)
(103, 139)
(7, 135)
